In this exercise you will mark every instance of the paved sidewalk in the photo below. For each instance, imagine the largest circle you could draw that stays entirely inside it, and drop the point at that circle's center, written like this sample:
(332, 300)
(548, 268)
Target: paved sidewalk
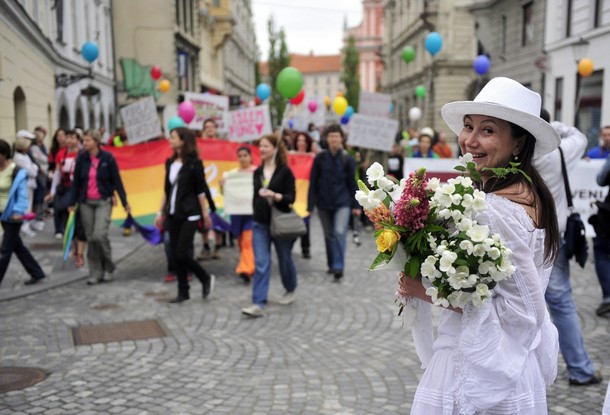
(338, 349)
(48, 251)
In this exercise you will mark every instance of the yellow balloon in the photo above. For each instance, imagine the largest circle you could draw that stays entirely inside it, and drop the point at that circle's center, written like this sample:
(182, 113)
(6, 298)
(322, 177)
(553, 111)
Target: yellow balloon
(327, 101)
(340, 105)
(585, 67)
(164, 86)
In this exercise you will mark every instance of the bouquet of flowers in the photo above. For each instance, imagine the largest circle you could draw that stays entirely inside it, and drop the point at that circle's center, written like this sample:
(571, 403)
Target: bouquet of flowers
(432, 229)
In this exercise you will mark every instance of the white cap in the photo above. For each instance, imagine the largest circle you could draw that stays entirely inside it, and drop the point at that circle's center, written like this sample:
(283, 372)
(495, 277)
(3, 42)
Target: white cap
(25, 134)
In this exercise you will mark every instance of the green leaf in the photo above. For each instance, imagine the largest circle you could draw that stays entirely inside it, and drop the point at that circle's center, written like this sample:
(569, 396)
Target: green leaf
(460, 168)
(414, 265)
(381, 258)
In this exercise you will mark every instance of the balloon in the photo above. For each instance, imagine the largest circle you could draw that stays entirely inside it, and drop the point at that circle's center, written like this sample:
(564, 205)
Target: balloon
(408, 54)
(263, 91)
(481, 64)
(414, 114)
(186, 111)
(391, 107)
(339, 94)
(585, 67)
(155, 73)
(312, 106)
(164, 86)
(344, 120)
(291, 123)
(175, 122)
(289, 82)
(117, 141)
(327, 101)
(434, 43)
(420, 91)
(257, 100)
(340, 105)
(251, 104)
(349, 111)
(90, 51)
(299, 98)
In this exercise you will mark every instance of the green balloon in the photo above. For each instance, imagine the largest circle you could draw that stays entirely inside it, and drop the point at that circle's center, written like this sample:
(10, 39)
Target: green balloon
(408, 54)
(289, 82)
(420, 91)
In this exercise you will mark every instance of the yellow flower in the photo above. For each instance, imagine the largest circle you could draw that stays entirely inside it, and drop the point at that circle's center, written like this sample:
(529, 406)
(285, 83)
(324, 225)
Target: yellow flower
(386, 240)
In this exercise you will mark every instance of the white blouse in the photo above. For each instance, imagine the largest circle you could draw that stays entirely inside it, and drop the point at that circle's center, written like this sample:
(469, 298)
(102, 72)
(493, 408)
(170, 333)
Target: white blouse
(497, 359)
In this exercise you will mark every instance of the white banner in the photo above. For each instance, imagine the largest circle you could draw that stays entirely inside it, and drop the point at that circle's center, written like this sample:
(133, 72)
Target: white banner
(248, 124)
(372, 132)
(209, 106)
(584, 187)
(238, 191)
(141, 121)
(377, 105)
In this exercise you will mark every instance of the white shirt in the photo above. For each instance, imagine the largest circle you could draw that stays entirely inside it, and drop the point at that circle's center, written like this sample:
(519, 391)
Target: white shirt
(174, 169)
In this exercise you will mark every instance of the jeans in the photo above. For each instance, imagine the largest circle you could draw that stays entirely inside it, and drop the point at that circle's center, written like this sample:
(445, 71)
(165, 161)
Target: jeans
(334, 224)
(11, 242)
(563, 313)
(601, 252)
(95, 215)
(261, 242)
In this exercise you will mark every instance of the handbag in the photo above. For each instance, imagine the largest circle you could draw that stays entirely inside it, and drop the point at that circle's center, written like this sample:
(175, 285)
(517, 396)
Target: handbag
(286, 225)
(575, 236)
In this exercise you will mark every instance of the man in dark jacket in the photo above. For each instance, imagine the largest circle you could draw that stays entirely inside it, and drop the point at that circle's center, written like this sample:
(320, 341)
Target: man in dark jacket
(332, 187)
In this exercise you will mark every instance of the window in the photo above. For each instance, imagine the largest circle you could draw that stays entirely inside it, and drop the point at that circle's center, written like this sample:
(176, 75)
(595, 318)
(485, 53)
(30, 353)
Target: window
(588, 107)
(597, 18)
(59, 17)
(558, 97)
(503, 36)
(74, 15)
(568, 18)
(527, 34)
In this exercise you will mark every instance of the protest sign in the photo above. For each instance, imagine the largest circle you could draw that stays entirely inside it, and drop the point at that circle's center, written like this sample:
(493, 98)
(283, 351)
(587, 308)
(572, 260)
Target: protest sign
(209, 106)
(238, 192)
(372, 132)
(248, 124)
(141, 121)
(377, 105)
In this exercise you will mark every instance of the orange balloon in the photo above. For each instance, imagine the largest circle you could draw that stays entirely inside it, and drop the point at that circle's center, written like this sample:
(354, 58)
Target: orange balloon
(327, 101)
(339, 94)
(585, 67)
(164, 86)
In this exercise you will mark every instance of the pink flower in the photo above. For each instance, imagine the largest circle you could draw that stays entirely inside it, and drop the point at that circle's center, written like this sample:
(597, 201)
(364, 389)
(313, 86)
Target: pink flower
(380, 214)
(411, 211)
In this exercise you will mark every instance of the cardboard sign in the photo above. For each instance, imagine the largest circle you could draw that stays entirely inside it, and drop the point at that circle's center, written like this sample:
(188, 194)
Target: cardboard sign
(377, 105)
(209, 106)
(372, 132)
(249, 124)
(141, 121)
(238, 192)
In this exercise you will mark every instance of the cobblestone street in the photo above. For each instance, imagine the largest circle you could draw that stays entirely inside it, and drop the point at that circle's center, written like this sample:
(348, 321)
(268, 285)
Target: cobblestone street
(339, 349)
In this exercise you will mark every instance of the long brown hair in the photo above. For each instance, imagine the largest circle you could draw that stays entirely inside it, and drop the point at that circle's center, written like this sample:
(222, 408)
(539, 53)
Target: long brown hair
(281, 157)
(544, 203)
(189, 147)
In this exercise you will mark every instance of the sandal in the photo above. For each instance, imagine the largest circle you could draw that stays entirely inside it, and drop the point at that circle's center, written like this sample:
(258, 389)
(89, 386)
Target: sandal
(79, 260)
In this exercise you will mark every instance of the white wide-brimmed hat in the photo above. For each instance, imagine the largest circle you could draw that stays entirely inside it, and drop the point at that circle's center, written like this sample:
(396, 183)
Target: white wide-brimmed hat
(510, 101)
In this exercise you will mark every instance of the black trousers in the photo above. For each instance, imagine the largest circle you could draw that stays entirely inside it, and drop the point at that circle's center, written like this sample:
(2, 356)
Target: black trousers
(11, 242)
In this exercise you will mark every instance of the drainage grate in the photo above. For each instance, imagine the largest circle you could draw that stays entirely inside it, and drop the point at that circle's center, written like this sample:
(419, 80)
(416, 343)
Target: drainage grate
(105, 306)
(116, 332)
(17, 378)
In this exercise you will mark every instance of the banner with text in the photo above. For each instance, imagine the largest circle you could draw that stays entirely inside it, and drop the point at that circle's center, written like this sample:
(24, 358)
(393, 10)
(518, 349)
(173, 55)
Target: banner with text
(141, 121)
(377, 105)
(248, 124)
(209, 106)
(372, 132)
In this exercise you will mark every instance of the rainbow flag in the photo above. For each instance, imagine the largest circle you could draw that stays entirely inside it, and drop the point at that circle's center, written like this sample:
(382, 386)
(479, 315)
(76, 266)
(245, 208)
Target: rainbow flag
(142, 168)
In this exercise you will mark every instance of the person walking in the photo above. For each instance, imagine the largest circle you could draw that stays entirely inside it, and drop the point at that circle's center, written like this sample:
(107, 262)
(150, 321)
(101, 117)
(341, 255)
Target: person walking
(274, 184)
(601, 151)
(558, 295)
(183, 205)
(501, 357)
(13, 205)
(40, 155)
(96, 178)
(601, 241)
(332, 187)
(22, 159)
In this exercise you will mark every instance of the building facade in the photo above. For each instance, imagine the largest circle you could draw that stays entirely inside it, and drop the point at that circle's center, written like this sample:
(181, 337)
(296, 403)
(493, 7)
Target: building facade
(368, 36)
(216, 27)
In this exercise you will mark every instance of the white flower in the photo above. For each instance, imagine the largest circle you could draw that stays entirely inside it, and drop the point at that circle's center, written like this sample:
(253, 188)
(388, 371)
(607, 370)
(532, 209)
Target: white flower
(385, 184)
(465, 159)
(433, 184)
(432, 292)
(458, 299)
(432, 242)
(444, 214)
(374, 173)
(486, 267)
(464, 225)
(441, 199)
(441, 248)
(478, 233)
(506, 266)
(457, 215)
(480, 295)
(371, 200)
(466, 181)
(447, 189)
(479, 204)
(428, 270)
(447, 260)
(456, 199)
(462, 278)
(467, 246)
(494, 253)
(467, 201)
(396, 193)
(479, 250)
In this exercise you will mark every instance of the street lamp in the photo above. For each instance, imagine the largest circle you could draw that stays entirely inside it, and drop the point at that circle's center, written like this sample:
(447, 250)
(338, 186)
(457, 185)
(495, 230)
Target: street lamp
(580, 48)
(579, 51)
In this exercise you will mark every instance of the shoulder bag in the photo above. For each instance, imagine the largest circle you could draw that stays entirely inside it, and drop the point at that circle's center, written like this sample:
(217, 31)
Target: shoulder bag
(286, 225)
(575, 237)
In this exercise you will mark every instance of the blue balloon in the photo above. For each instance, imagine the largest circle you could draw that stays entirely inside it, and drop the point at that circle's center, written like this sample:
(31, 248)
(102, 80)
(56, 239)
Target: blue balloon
(344, 120)
(481, 64)
(90, 51)
(175, 122)
(263, 91)
(391, 107)
(291, 123)
(349, 111)
(434, 43)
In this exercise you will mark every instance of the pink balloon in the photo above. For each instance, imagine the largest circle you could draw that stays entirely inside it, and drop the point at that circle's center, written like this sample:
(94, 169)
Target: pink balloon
(312, 105)
(186, 111)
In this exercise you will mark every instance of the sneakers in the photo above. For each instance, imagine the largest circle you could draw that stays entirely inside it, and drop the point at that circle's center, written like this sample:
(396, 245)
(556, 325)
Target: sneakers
(27, 230)
(253, 311)
(37, 225)
(593, 380)
(109, 276)
(33, 280)
(59, 235)
(356, 239)
(287, 298)
(93, 281)
(177, 300)
(603, 309)
(169, 278)
(208, 289)
(338, 275)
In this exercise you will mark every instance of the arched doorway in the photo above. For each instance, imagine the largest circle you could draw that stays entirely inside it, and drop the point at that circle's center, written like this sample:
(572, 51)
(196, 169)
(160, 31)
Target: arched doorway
(64, 119)
(79, 121)
(21, 116)
(91, 119)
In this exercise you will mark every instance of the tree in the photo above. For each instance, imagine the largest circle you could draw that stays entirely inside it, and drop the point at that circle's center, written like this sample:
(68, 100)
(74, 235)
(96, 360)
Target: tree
(279, 58)
(349, 73)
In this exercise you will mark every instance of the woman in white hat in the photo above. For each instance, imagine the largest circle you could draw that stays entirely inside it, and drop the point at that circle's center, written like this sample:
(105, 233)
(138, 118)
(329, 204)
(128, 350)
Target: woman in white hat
(499, 358)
